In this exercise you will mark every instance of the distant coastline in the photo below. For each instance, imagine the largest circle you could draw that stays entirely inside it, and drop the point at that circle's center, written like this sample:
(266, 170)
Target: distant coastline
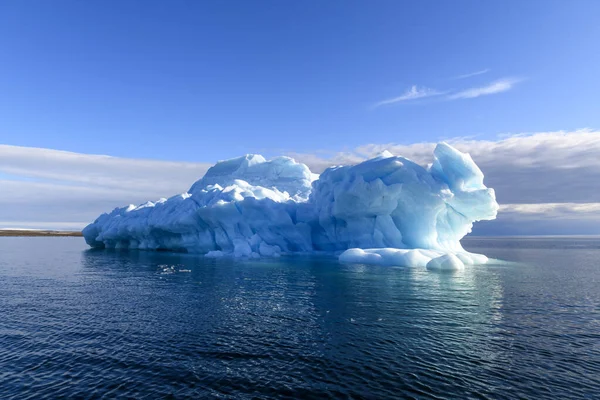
(25, 232)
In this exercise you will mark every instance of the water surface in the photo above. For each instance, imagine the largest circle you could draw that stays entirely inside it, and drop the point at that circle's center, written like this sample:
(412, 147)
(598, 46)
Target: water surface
(90, 324)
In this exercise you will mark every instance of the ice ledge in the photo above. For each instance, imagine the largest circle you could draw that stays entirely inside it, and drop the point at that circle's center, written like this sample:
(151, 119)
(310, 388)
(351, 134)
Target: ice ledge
(431, 259)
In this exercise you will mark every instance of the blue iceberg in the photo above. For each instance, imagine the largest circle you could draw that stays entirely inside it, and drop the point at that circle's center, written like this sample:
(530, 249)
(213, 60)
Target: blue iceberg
(387, 210)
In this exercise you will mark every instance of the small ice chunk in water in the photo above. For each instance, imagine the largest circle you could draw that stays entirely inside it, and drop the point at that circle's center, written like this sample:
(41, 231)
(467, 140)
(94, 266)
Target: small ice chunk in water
(447, 262)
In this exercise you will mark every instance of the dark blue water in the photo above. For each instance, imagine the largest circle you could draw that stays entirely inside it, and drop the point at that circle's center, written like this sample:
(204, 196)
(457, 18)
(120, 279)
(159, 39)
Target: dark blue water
(90, 324)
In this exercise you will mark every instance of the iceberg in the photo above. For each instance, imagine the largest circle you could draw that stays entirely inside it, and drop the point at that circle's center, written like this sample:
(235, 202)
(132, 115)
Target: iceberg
(387, 210)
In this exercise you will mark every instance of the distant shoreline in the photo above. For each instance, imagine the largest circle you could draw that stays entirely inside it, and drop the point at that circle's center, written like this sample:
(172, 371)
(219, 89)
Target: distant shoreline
(17, 232)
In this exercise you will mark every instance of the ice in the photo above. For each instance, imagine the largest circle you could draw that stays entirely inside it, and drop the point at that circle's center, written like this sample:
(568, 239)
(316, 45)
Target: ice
(447, 262)
(214, 254)
(432, 259)
(389, 256)
(283, 173)
(402, 213)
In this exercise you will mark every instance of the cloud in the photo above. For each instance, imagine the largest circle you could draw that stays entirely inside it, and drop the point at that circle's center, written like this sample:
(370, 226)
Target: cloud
(546, 219)
(553, 210)
(498, 86)
(545, 167)
(547, 182)
(45, 188)
(555, 173)
(465, 76)
(53, 225)
(97, 170)
(413, 93)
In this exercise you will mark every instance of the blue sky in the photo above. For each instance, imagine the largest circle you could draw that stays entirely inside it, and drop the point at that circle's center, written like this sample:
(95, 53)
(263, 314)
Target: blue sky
(168, 88)
(201, 81)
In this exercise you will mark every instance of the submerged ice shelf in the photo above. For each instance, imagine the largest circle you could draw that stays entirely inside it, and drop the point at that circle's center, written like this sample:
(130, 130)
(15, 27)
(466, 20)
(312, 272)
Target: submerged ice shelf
(398, 211)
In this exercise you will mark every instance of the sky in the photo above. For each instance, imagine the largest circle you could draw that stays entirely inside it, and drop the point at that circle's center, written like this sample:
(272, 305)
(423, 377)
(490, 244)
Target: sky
(109, 103)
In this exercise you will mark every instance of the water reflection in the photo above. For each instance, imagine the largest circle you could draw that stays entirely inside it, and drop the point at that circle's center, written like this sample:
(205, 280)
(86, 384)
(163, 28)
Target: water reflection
(180, 325)
(316, 309)
(311, 287)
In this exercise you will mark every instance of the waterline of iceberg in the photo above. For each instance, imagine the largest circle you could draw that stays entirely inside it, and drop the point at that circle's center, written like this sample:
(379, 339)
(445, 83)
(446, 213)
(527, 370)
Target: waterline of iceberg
(251, 207)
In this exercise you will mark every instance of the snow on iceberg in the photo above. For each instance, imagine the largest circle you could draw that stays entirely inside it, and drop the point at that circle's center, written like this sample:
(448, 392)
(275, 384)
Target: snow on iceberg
(400, 212)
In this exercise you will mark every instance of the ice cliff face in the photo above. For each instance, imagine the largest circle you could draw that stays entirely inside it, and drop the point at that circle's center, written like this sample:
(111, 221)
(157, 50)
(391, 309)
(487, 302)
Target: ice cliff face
(248, 207)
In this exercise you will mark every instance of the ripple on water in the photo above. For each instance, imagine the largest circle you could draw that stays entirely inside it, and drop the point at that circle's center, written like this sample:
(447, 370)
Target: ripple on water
(148, 325)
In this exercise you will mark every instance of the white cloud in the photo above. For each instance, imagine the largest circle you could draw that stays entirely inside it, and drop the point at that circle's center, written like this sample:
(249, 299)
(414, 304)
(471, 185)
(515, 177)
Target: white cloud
(543, 219)
(560, 168)
(553, 210)
(465, 76)
(413, 93)
(98, 170)
(499, 86)
(53, 225)
(44, 188)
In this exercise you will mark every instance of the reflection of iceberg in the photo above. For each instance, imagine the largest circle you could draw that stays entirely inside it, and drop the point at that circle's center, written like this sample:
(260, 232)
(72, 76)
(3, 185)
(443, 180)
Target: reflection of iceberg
(248, 207)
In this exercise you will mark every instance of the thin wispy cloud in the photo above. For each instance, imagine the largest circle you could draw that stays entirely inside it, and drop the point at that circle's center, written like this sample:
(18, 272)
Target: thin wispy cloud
(416, 93)
(413, 93)
(553, 210)
(502, 85)
(465, 76)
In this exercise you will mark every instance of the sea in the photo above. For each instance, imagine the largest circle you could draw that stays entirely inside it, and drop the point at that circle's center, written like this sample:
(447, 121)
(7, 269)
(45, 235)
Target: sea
(90, 324)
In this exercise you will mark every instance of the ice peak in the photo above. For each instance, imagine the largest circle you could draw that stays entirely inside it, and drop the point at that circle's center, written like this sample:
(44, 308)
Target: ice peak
(384, 154)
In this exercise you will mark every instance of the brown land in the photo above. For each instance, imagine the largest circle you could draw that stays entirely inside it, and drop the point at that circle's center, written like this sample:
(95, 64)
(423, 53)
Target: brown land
(14, 232)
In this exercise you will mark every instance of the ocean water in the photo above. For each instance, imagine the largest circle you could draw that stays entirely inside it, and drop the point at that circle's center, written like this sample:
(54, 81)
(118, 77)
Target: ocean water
(77, 323)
